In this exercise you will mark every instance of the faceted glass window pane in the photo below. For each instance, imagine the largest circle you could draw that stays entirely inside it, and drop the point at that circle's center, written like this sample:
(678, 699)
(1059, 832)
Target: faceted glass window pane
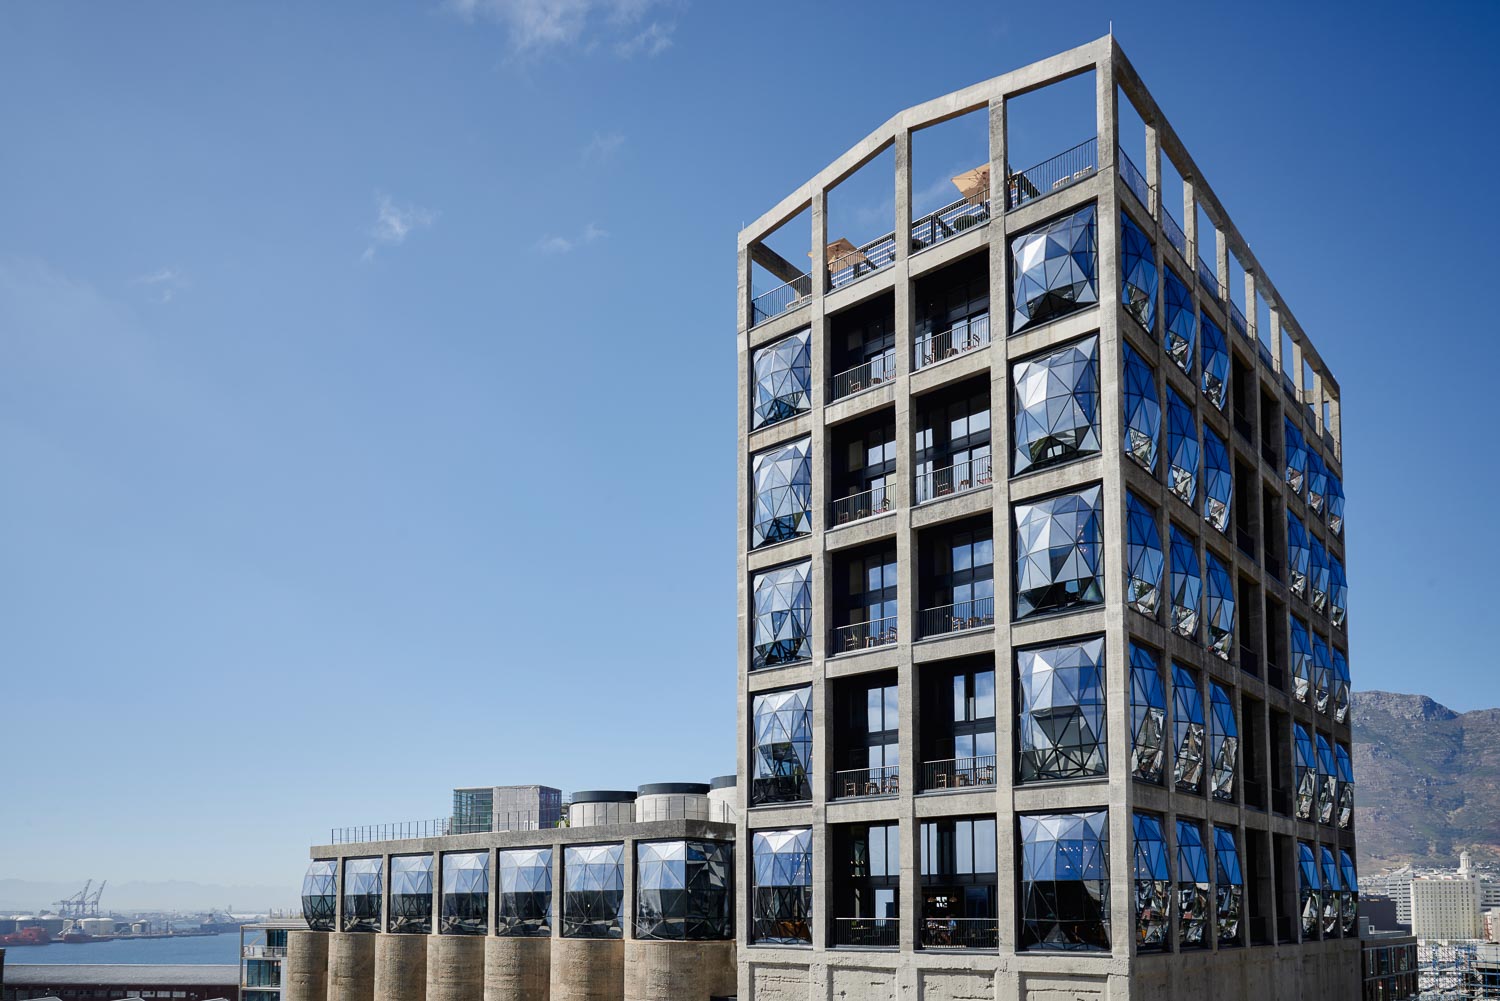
(783, 615)
(781, 905)
(683, 891)
(1187, 585)
(783, 493)
(1220, 607)
(1137, 273)
(1331, 884)
(320, 894)
(1335, 504)
(593, 891)
(1153, 884)
(1338, 592)
(1229, 886)
(1188, 729)
(1053, 270)
(1296, 458)
(1145, 561)
(1142, 410)
(1223, 741)
(1310, 889)
(1059, 553)
(783, 379)
(1302, 665)
(1061, 725)
(525, 893)
(1178, 310)
(1345, 791)
(363, 893)
(1182, 448)
(411, 894)
(1322, 674)
(1317, 574)
(1056, 406)
(1215, 363)
(1341, 683)
(1218, 481)
(1349, 895)
(466, 894)
(1317, 482)
(1192, 885)
(1065, 881)
(1328, 792)
(783, 747)
(1148, 715)
(1298, 554)
(1305, 766)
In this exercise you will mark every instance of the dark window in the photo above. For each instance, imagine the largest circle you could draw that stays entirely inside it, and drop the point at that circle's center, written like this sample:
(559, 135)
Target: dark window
(959, 884)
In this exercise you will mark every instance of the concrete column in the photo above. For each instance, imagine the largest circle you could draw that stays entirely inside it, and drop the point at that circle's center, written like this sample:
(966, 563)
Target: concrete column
(455, 968)
(819, 215)
(1153, 169)
(305, 970)
(903, 195)
(1190, 226)
(627, 887)
(517, 969)
(908, 598)
(400, 967)
(1296, 369)
(1335, 425)
(1221, 265)
(1277, 361)
(585, 969)
(351, 966)
(679, 971)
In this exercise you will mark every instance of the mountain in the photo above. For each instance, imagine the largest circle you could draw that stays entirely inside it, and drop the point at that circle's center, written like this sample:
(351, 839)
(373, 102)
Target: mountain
(1427, 781)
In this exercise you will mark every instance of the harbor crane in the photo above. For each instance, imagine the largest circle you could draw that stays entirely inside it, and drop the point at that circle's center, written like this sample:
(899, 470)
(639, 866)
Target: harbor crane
(82, 904)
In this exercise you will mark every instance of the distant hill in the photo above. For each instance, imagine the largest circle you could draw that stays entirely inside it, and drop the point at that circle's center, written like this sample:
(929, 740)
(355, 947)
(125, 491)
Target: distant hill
(1427, 781)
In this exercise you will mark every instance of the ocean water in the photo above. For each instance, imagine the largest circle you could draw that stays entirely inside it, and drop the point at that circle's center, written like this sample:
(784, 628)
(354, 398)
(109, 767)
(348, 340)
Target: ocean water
(193, 949)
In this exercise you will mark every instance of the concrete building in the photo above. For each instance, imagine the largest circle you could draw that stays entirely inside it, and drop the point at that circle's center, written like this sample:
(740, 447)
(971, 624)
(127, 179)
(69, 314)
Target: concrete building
(262, 955)
(1446, 907)
(1043, 669)
(1389, 962)
(112, 982)
(477, 809)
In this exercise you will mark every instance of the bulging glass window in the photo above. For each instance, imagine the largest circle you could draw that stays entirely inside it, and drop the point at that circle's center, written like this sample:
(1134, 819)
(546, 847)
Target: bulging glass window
(525, 900)
(783, 379)
(1215, 363)
(1218, 481)
(781, 904)
(1317, 481)
(783, 747)
(1178, 310)
(1296, 457)
(1182, 448)
(1224, 742)
(1338, 592)
(1302, 662)
(411, 894)
(1310, 890)
(1153, 885)
(1305, 764)
(1059, 553)
(1137, 273)
(1142, 410)
(1062, 711)
(466, 894)
(593, 891)
(1057, 406)
(1188, 729)
(1220, 607)
(320, 894)
(1148, 715)
(1341, 683)
(1065, 881)
(683, 891)
(1192, 886)
(1331, 884)
(1322, 675)
(783, 615)
(1345, 769)
(1317, 574)
(1187, 585)
(363, 893)
(1349, 906)
(1144, 558)
(1298, 554)
(1053, 270)
(783, 493)
(1327, 781)
(1229, 887)
(1335, 505)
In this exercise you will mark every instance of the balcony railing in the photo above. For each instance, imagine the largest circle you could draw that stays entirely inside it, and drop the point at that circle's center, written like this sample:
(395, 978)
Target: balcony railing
(1281, 802)
(1209, 279)
(1062, 170)
(795, 293)
(263, 951)
(1273, 566)
(970, 474)
(1174, 232)
(1245, 428)
(948, 221)
(1237, 320)
(1265, 354)
(858, 782)
(1275, 676)
(876, 371)
(1135, 181)
(879, 933)
(863, 260)
(958, 773)
(1268, 452)
(1255, 795)
(1249, 659)
(865, 504)
(863, 635)
(945, 619)
(960, 933)
(1244, 539)
(961, 338)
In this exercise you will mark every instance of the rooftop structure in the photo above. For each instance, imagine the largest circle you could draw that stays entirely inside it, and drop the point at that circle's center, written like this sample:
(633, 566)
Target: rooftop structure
(110, 982)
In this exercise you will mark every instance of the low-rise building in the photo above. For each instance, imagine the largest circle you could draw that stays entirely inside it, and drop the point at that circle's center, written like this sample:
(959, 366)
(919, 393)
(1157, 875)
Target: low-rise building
(115, 981)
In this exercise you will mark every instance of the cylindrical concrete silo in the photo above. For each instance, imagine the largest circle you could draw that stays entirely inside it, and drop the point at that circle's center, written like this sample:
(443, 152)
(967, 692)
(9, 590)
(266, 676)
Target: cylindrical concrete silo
(517, 968)
(682, 971)
(455, 968)
(304, 972)
(400, 967)
(589, 969)
(671, 801)
(721, 799)
(351, 966)
(601, 808)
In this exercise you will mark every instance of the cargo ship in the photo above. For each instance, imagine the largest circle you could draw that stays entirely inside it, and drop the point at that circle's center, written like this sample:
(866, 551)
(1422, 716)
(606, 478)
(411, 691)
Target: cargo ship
(26, 936)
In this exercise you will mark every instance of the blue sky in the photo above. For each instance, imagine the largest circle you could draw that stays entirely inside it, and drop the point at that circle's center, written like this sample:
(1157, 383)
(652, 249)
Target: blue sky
(367, 376)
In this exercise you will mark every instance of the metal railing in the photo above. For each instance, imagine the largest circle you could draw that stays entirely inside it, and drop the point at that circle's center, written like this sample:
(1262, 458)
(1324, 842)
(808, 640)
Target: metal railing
(950, 220)
(883, 933)
(263, 951)
(1209, 279)
(960, 933)
(854, 783)
(961, 338)
(1244, 539)
(1249, 661)
(1135, 181)
(1245, 428)
(791, 295)
(945, 619)
(1237, 320)
(970, 474)
(442, 827)
(1064, 169)
(878, 370)
(862, 260)
(1174, 232)
(1275, 676)
(958, 773)
(1273, 566)
(865, 504)
(1265, 354)
(863, 635)
(1255, 795)
(1281, 802)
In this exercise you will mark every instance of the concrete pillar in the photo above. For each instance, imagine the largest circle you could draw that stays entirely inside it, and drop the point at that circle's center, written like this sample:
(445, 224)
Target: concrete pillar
(681, 971)
(401, 967)
(305, 970)
(517, 969)
(351, 966)
(455, 968)
(1153, 169)
(585, 969)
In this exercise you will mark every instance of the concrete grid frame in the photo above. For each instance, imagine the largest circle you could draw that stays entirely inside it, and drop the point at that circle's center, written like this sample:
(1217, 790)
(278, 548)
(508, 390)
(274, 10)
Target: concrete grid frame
(1295, 968)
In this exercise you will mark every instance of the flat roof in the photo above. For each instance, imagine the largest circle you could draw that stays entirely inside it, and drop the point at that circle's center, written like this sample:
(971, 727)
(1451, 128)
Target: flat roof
(122, 974)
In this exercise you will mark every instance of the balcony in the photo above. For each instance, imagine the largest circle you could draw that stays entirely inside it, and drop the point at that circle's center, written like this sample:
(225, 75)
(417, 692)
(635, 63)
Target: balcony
(781, 299)
(1249, 661)
(970, 474)
(263, 951)
(1209, 279)
(863, 636)
(1135, 181)
(960, 933)
(1244, 427)
(949, 221)
(858, 783)
(1255, 795)
(959, 617)
(1281, 802)
(1268, 452)
(1063, 170)
(1245, 542)
(870, 933)
(854, 263)
(877, 371)
(958, 773)
(1174, 232)
(1237, 320)
(1275, 676)
(865, 504)
(961, 338)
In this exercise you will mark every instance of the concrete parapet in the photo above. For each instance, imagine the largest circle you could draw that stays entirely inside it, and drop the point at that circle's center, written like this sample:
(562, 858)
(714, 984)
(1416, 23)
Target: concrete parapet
(681, 971)
(588, 969)
(400, 967)
(304, 973)
(455, 968)
(351, 966)
(517, 969)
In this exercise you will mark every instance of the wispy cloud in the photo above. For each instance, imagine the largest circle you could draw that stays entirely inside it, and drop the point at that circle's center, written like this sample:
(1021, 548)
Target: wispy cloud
(652, 40)
(630, 27)
(394, 223)
(554, 244)
(162, 284)
(603, 147)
